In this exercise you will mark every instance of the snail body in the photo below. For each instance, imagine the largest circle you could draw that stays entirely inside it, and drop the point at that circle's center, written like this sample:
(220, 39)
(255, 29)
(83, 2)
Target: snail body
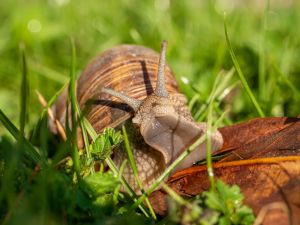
(131, 80)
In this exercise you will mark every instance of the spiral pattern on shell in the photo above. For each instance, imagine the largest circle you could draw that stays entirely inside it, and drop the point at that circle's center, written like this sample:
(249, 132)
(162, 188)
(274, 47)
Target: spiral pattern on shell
(130, 69)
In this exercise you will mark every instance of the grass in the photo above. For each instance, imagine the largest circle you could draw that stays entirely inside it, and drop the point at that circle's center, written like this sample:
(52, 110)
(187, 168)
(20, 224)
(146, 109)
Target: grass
(262, 45)
(197, 48)
(241, 75)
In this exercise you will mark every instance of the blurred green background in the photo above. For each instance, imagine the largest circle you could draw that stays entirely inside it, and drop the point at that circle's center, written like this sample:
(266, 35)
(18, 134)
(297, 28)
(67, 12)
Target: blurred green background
(265, 38)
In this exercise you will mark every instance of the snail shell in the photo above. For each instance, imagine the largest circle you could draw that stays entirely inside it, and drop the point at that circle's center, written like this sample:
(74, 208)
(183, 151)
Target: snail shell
(165, 126)
(130, 69)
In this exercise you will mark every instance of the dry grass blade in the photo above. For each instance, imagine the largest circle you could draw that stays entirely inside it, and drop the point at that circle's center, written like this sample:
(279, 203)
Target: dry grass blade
(59, 127)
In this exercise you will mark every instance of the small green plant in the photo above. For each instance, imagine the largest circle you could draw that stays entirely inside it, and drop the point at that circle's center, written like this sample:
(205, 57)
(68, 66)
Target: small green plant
(220, 206)
(97, 190)
(228, 201)
(104, 144)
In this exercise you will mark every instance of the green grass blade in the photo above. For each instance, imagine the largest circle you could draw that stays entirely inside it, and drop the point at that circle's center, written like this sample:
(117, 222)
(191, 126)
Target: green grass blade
(193, 101)
(219, 86)
(56, 94)
(29, 149)
(24, 93)
(210, 171)
(222, 83)
(180, 200)
(241, 75)
(85, 125)
(117, 190)
(89, 129)
(127, 187)
(286, 81)
(262, 55)
(131, 158)
(45, 109)
(134, 169)
(72, 95)
(51, 101)
(10, 126)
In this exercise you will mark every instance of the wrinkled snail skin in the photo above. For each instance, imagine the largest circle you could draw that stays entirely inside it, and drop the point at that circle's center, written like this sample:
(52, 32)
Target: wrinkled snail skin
(131, 80)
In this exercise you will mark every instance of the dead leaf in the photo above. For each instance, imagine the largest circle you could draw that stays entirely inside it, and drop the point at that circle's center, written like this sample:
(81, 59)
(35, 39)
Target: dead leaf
(261, 137)
(263, 181)
(263, 159)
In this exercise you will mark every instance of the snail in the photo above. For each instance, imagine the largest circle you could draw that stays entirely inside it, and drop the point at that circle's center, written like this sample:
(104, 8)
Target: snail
(134, 81)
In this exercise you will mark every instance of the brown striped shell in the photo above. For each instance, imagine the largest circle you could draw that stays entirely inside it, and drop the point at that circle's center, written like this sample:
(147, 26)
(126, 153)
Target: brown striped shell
(130, 69)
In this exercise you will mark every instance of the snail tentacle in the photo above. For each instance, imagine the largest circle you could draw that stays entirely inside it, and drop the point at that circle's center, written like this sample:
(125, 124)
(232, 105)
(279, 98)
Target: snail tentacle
(160, 89)
(132, 102)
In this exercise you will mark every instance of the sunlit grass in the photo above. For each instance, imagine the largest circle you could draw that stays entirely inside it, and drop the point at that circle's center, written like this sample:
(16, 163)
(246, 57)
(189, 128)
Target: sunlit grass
(197, 49)
(241, 75)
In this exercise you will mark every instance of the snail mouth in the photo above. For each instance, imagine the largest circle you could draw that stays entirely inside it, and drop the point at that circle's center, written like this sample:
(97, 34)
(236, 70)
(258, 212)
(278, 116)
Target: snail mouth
(158, 137)
(170, 135)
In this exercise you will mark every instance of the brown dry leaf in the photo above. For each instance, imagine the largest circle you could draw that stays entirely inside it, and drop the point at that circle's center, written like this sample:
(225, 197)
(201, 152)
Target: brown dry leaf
(263, 182)
(264, 161)
(261, 137)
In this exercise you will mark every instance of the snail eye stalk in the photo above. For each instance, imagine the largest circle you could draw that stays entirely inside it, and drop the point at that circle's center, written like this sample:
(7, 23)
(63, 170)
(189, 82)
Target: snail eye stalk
(160, 89)
(132, 102)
